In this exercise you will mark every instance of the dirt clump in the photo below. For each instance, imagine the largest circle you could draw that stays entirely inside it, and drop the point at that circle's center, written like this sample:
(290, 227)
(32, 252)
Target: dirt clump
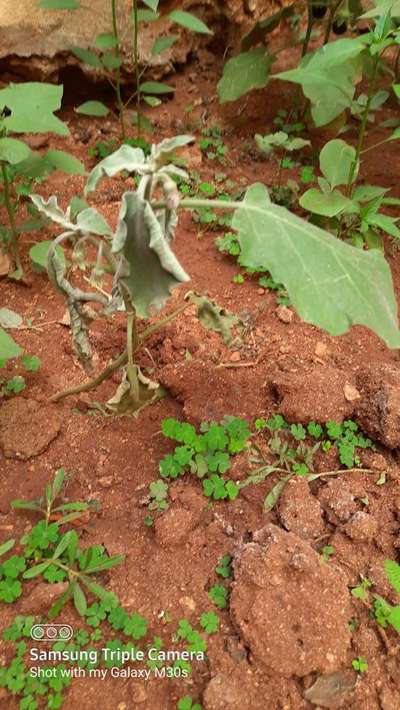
(290, 607)
(378, 411)
(299, 511)
(27, 428)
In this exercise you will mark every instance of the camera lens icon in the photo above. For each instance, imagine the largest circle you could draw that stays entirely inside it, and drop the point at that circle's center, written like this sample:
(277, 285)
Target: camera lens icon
(52, 632)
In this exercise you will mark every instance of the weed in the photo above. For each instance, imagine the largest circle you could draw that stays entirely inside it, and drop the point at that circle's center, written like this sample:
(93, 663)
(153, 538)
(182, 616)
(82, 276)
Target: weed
(360, 664)
(327, 552)
(187, 703)
(224, 567)
(219, 595)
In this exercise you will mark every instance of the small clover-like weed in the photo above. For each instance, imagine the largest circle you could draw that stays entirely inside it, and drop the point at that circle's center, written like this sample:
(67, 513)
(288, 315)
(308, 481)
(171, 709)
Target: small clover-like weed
(224, 567)
(187, 703)
(219, 595)
(360, 664)
(209, 622)
(207, 454)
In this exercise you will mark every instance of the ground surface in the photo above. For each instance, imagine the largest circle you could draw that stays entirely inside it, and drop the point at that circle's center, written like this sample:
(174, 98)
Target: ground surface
(264, 656)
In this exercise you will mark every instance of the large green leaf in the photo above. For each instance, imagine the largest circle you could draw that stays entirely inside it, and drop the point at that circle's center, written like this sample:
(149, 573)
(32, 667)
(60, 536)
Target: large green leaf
(13, 151)
(328, 204)
(87, 57)
(67, 163)
(156, 87)
(328, 77)
(149, 268)
(8, 347)
(331, 284)
(336, 160)
(163, 43)
(125, 158)
(191, 22)
(39, 253)
(88, 221)
(243, 73)
(32, 107)
(93, 108)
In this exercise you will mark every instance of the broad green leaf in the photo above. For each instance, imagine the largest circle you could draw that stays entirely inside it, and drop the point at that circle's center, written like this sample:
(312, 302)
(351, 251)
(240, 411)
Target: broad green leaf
(328, 205)
(396, 89)
(163, 43)
(87, 56)
(280, 139)
(331, 284)
(125, 158)
(336, 159)
(365, 193)
(10, 319)
(328, 77)
(243, 73)
(394, 618)
(93, 108)
(164, 151)
(191, 22)
(59, 160)
(151, 268)
(107, 40)
(8, 347)
(13, 151)
(59, 4)
(152, 4)
(156, 87)
(392, 570)
(88, 221)
(145, 15)
(39, 252)
(32, 105)
(263, 27)
(111, 61)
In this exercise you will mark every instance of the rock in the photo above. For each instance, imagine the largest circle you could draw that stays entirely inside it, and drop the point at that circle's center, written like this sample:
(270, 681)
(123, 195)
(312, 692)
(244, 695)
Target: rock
(351, 393)
(45, 36)
(299, 511)
(312, 394)
(42, 597)
(378, 412)
(290, 607)
(330, 690)
(174, 526)
(284, 314)
(27, 427)
(105, 481)
(235, 357)
(361, 527)
(338, 500)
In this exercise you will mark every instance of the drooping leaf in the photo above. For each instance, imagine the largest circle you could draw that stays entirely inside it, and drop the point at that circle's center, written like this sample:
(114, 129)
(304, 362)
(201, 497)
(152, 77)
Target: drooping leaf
(13, 151)
(263, 27)
(88, 221)
(163, 153)
(163, 43)
(145, 15)
(336, 160)
(8, 347)
(213, 317)
(328, 77)
(125, 158)
(39, 252)
(331, 284)
(111, 61)
(384, 222)
(149, 268)
(59, 160)
(326, 204)
(243, 73)
(191, 22)
(156, 87)
(79, 599)
(92, 108)
(32, 106)
(106, 40)
(152, 4)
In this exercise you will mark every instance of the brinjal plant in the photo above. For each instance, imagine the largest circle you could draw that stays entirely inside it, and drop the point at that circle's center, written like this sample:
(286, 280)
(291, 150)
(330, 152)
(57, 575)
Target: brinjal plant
(27, 107)
(329, 282)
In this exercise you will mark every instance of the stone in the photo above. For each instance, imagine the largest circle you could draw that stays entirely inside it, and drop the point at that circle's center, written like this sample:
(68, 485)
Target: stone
(284, 314)
(27, 427)
(378, 411)
(338, 500)
(330, 690)
(361, 527)
(290, 608)
(299, 511)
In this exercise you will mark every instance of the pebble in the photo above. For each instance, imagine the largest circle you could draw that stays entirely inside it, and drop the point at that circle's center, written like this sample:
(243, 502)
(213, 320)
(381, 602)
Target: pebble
(105, 482)
(235, 357)
(284, 314)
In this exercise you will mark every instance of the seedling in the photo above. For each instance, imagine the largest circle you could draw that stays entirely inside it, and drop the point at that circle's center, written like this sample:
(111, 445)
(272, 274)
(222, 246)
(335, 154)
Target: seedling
(224, 567)
(27, 108)
(360, 664)
(16, 384)
(327, 552)
(219, 595)
(386, 614)
(187, 703)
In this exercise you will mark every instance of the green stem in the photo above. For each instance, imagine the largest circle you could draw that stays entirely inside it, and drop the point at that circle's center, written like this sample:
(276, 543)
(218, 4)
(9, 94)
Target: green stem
(131, 347)
(136, 62)
(376, 145)
(310, 22)
(364, 121)
(8, 203)
(332, 12)
(120, 103)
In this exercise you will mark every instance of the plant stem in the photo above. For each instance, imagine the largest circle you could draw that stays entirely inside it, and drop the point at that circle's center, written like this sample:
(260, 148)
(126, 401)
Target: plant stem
(332, 12)
(131, 347)
(120, 103)
(310, 22)
(11, 218)
(363, 127)
(375, 145)
(136, 62)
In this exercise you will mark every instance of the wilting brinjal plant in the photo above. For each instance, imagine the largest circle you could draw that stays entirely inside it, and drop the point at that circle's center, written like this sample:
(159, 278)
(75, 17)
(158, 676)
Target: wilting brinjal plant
(330, 283)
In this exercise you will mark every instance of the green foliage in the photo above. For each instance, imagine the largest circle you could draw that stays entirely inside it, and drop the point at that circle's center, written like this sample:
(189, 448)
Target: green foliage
(219, 595)
(360, 664)
(249, 70)
(224, 567)
(280, 140)
(187, 703)
(207, 454)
